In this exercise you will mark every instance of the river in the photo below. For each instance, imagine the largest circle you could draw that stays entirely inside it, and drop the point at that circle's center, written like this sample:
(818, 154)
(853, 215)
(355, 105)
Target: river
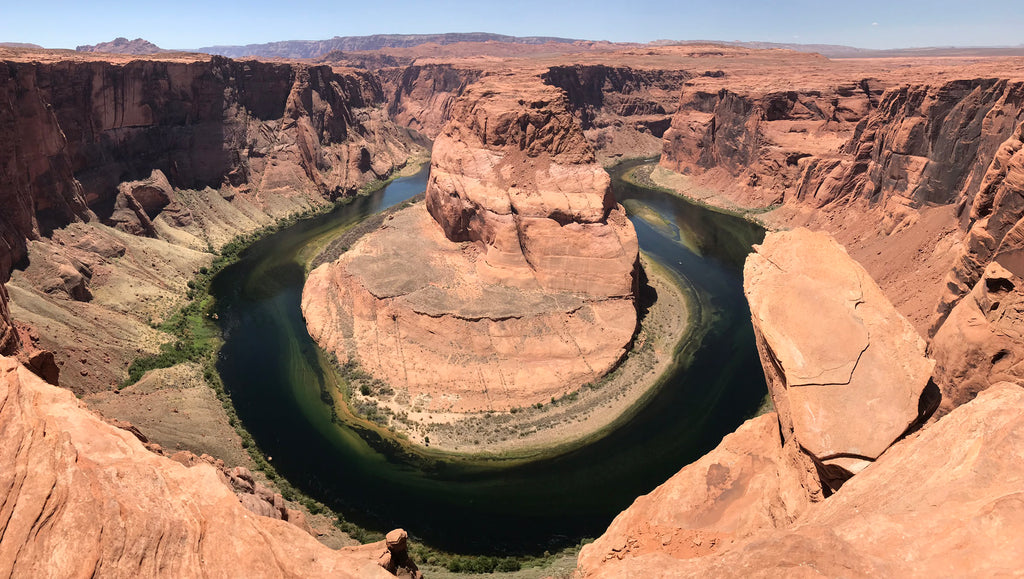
(275, 374)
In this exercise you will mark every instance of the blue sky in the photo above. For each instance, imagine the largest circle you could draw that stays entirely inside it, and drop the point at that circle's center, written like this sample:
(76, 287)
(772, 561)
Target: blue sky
(194, 23)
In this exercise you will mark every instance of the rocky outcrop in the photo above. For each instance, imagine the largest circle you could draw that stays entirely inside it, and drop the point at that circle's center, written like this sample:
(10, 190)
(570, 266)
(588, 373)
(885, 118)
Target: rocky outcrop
(749, 484)
(83, 498)
(982, 340)
(521, 285)
(396, 558)
(939, 503)
(138, 202)
(845, 370)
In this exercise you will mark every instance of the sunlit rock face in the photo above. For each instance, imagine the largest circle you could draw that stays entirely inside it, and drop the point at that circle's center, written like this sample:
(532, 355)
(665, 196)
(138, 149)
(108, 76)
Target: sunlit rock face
(515, 282)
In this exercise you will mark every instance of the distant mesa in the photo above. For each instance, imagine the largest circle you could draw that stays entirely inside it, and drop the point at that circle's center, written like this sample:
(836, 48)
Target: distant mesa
(317, 48)
(20, 45)
(122, 45)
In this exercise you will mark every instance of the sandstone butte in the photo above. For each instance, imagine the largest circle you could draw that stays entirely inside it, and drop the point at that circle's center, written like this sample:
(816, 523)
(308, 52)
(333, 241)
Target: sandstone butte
(913, 165)
(520, 286)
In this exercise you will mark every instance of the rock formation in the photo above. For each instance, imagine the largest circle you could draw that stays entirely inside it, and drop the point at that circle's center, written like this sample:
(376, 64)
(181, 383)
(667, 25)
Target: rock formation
(122, 45)
(83, 498)
(834, 351)
(981, 342)
(939, 501)
(520, 287)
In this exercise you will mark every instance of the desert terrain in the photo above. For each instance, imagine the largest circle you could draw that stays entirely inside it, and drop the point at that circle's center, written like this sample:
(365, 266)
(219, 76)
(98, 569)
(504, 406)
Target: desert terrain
(885, 299)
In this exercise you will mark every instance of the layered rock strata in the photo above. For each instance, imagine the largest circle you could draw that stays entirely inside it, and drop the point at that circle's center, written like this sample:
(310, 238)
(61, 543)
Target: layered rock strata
(83, 498)
(520, 286)
(182, 149)
(845, 370)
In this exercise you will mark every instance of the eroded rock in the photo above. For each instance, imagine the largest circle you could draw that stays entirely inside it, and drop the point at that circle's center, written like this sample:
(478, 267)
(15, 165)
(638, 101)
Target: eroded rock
(982, 340)
(520, 286)
(845, 370)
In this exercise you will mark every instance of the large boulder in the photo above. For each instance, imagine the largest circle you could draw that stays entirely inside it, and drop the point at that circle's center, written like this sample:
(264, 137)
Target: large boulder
(845, 370)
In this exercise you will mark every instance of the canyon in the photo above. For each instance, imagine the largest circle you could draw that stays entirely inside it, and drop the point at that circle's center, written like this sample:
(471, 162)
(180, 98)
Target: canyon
(890, 335)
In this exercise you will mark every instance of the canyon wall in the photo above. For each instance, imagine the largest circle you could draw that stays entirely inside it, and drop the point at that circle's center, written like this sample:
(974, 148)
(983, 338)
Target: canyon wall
(623, 111)
(184, 151)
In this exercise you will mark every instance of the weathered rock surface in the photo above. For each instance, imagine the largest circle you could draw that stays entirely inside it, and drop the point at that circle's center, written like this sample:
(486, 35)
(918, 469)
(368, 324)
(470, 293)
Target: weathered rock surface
(981, 342)
(941, 503)
(83, 498)
(521, 287)
(845, 370)
(749, 484)
(997, 225)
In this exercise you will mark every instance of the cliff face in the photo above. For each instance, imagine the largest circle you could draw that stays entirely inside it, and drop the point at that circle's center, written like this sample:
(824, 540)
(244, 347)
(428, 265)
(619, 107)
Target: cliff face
(521, 285)
(271, 138)
(910, 145)
(420, 97)
(622, 110)
(758, 138)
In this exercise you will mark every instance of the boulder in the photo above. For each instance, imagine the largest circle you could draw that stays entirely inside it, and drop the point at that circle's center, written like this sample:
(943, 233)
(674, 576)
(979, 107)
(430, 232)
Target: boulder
(845, 370)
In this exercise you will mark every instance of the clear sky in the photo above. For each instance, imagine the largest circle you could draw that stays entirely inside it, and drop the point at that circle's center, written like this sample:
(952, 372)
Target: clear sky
(195, 23)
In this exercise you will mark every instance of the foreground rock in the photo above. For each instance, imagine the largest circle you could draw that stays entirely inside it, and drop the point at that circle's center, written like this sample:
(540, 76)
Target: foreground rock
(520, 286)
(749, 484)
(948, 502)
(845, 370)
(83, 498)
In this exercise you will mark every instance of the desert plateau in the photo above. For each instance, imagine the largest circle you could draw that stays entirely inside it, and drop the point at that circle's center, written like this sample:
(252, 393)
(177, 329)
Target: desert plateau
(524, 305)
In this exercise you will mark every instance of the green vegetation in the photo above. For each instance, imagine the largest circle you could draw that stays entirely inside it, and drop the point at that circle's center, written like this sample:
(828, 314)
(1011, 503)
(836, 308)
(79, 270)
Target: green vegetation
(479, 564)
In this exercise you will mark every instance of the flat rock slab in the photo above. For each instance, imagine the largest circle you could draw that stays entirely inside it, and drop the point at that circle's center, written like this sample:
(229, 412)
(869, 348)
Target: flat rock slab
(845, 369)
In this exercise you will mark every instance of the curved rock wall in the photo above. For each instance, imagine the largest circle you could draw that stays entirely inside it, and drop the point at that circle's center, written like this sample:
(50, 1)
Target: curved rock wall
(75, 131)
